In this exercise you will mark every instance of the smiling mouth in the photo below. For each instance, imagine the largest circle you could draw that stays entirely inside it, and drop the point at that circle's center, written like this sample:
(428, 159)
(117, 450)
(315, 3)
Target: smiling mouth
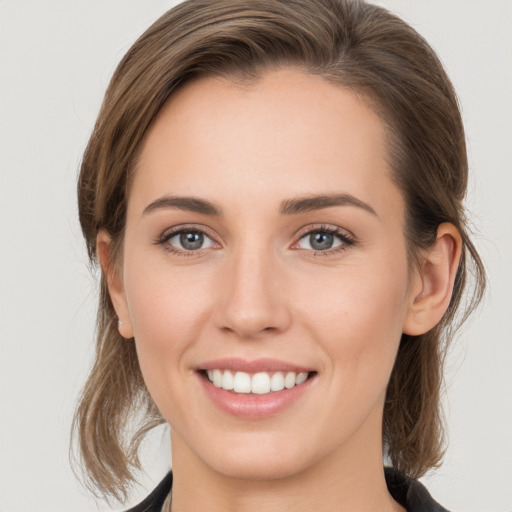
(260, 383)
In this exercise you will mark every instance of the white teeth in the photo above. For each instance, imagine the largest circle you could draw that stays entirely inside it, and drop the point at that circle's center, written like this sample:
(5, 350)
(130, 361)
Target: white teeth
(228, 380)
(242, 382)
(277, 382)
(259, 383)
(301, 377)
(217, 378)
(289, 380)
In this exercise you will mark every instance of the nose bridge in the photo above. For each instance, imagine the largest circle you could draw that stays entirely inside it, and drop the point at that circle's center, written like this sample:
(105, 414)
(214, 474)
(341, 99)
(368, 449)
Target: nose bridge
(253, 298)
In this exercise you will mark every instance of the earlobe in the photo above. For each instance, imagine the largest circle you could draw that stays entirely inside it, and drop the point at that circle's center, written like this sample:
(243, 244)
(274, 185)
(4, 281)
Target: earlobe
(432, 290)
(114, 279)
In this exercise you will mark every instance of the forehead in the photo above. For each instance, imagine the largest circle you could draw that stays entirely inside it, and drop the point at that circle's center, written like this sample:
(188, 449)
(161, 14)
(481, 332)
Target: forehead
(286, 134)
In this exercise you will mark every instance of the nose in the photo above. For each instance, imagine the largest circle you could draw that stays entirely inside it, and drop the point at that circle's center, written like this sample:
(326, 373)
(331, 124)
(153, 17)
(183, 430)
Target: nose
(253, 297)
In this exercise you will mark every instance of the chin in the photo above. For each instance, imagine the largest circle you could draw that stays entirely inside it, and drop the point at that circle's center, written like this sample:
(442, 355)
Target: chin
(259, 460)
(258, 469)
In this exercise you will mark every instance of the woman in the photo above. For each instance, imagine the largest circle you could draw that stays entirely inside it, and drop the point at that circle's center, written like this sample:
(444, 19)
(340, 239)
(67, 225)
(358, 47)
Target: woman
(274, 193)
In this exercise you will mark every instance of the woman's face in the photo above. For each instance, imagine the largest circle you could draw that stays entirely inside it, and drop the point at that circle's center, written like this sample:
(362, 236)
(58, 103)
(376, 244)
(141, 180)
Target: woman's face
(265, 243)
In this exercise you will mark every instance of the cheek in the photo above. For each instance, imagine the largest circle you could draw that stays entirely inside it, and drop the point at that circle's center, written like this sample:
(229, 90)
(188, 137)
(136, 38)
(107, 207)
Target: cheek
(358, 318)
(358, 326)
(167, 307)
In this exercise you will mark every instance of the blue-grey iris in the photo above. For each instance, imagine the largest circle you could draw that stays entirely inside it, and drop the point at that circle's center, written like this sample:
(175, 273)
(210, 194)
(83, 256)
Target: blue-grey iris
(321, 241)
(192, 240)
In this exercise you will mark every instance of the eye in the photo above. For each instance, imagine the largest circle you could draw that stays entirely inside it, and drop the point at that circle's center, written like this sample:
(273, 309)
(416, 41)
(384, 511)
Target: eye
(187, 240)
(324, 239)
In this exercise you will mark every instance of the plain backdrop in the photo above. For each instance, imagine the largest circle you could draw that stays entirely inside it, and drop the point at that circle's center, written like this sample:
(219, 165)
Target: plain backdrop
(56, 58)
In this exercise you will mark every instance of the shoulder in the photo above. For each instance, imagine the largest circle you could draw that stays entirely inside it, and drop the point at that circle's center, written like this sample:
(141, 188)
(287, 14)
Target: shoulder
(410, 493)
(155, 501)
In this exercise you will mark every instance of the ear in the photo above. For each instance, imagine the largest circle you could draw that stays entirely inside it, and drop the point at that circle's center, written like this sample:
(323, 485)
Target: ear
(432, 286)
(114, 278)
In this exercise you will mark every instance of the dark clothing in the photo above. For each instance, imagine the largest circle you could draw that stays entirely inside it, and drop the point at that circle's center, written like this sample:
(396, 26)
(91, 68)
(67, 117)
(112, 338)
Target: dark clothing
(155, 501)
(410, 493)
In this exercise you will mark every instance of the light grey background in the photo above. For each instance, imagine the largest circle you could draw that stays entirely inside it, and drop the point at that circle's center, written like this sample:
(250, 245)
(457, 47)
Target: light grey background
(56, 58)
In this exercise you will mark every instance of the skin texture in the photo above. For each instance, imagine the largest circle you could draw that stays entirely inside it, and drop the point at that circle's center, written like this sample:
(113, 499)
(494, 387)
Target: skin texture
(257, 289)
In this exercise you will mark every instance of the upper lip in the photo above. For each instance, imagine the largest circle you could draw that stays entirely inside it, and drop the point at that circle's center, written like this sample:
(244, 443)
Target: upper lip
(254, 366)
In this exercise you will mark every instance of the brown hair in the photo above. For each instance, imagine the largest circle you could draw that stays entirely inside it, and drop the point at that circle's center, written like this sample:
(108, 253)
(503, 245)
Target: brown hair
(349, 43)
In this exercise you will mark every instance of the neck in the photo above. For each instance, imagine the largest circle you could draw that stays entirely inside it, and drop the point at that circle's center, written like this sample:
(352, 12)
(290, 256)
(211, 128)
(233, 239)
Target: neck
(350, 478)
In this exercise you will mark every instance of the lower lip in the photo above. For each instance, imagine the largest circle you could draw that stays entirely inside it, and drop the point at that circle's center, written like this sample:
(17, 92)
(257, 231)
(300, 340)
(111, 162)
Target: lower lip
(252, 405)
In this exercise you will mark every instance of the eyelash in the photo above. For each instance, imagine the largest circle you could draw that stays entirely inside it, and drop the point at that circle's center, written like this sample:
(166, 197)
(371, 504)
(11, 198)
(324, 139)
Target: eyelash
(347, 240)
(167, 235)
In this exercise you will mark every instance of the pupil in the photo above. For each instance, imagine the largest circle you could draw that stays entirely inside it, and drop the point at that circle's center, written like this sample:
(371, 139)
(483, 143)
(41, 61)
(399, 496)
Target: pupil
(191, 241)
(321, 241)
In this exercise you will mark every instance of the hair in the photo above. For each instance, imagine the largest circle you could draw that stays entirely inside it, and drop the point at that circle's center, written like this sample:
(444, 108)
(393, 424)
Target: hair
(350, 43)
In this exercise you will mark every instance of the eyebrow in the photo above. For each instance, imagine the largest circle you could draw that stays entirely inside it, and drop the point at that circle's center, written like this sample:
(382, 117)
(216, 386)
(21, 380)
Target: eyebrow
(191, 204)
(317, 202)
(288, 207)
